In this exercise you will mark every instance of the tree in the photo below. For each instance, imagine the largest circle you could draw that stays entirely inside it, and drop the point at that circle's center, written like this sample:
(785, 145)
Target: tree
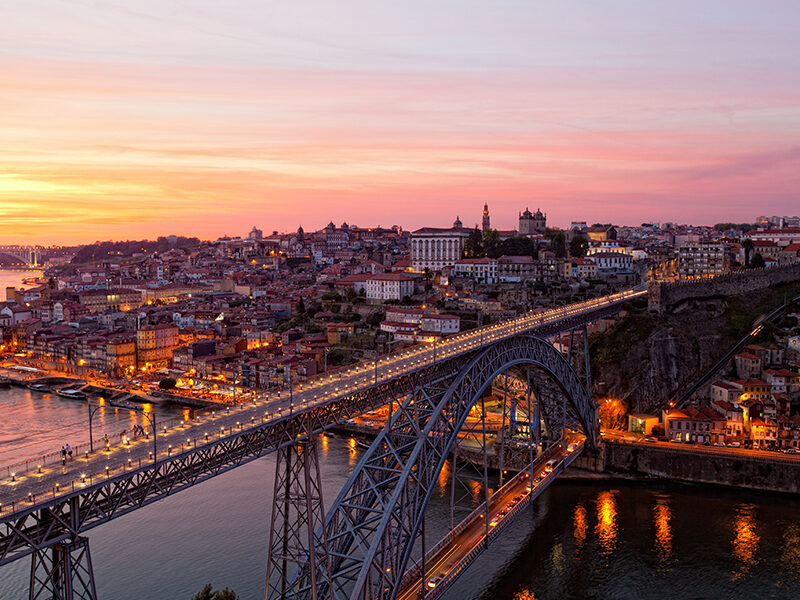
(208, 593)
(167, 383)
(490, 239)
(558, 242)
(473, 247)
(758, 261)
(374, 318)
(578, 245)
(747, 244)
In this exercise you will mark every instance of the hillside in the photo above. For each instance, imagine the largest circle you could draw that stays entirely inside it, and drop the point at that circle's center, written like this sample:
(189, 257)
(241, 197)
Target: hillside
(646, 359)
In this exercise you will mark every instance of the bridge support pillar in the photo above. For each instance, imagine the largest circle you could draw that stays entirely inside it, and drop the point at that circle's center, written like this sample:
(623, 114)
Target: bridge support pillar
(63, 572)
(298, 560)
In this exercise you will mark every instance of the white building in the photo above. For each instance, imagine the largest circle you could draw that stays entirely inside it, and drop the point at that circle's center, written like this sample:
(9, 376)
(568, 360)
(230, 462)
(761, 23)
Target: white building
(435, 248)
(482, 270)
(443, 324)
(389, 286)
(613, 261)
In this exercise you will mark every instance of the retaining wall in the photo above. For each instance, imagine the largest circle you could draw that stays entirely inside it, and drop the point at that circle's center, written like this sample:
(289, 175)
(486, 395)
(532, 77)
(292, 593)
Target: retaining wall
(663, 295)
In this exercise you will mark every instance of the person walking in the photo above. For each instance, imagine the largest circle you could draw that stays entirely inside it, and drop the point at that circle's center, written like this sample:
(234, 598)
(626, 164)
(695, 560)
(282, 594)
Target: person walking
(63, 455)
(69, 451)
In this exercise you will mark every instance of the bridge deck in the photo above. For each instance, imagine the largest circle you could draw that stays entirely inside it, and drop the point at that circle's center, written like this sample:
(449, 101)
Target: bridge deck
(239, 428)
(453, 554)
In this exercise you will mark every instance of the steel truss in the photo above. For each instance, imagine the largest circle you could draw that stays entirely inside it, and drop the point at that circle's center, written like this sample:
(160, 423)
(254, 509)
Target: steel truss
(63, 572)
(294, 540)
(372, 525)
(67, 516)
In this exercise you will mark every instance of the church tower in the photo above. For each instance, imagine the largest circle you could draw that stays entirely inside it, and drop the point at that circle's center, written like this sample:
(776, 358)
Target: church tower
(486, 216)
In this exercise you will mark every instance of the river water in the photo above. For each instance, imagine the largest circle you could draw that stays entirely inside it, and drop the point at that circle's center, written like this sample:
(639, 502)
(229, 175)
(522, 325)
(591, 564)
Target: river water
(605, 540)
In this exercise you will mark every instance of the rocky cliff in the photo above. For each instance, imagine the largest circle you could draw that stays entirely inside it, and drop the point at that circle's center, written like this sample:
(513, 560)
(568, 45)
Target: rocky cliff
(646, 359)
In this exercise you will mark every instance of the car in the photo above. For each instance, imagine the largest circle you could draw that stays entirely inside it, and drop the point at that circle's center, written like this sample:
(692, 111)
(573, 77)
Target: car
(650, 440)
(549, 466)
(434, 581)
(516, 499)
(790, 451)
(527, 489)
(734, 445)
(719, 444)
(674, 441)
(503, 512)
(571, 448)
(494, 522)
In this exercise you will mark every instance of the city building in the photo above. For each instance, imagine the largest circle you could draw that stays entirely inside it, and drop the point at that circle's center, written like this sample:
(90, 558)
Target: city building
(702, 260)
(436, 248)
(481, 270)
(154, 345)
(389, 286)
(532, 223)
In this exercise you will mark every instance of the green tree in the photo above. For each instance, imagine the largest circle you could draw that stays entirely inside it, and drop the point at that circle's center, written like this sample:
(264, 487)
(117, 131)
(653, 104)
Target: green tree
(473, 247)
(208, 593)
(578, 245)
(490, 239)
(758, 261)
(558, 242)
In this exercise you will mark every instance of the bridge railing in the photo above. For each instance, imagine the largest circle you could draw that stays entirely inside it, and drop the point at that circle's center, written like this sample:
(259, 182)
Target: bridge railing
(52, 458)
(530, 320)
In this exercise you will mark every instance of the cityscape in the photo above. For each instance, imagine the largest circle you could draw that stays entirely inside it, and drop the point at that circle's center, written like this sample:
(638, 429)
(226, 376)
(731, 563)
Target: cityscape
(301, 303)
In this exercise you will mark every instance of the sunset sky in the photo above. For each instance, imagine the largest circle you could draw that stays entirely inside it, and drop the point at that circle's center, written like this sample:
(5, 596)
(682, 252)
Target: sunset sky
(122, 120)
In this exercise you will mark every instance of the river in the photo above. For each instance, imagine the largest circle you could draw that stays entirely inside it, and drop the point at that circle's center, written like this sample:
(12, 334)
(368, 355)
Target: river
(14, 279)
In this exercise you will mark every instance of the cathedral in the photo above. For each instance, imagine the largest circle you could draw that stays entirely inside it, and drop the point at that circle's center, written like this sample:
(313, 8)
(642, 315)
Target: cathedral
(532, 223)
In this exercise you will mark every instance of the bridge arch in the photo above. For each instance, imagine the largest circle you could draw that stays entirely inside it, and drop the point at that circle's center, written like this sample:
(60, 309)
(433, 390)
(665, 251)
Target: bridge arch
(372, 525)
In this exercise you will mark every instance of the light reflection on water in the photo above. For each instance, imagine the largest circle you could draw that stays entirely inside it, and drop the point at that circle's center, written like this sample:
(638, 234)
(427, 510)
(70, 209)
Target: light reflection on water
(648, 541)
(606, 522)
(661, 519)
(745, 539)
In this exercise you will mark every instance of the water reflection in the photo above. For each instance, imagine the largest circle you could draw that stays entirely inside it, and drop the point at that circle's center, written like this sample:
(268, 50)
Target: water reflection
(606, 528)
(790, 556)
(580, 525)
(444, 477)
(745, 538)
(661, 518)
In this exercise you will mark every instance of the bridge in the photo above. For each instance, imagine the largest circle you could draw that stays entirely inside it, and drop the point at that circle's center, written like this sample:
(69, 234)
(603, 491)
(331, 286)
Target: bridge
(361, 547)
(28, 255)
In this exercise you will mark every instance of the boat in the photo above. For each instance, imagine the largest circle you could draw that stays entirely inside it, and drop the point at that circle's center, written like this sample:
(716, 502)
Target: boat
(4, 383)
(38, 387)
(72, 394)
(329, 434)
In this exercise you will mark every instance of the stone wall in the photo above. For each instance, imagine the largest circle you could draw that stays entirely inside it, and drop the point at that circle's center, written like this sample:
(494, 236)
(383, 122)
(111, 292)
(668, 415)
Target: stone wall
(663, 296)
(773, 472)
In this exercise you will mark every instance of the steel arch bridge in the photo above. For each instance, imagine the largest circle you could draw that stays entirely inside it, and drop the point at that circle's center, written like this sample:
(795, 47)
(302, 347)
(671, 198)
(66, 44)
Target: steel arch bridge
(362, 550)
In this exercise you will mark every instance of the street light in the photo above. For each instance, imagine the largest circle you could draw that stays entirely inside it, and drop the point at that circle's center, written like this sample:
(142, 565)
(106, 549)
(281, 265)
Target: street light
(92, 410)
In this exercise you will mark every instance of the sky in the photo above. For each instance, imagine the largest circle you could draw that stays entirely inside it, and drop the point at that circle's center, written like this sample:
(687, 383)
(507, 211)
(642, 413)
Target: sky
(128, 120)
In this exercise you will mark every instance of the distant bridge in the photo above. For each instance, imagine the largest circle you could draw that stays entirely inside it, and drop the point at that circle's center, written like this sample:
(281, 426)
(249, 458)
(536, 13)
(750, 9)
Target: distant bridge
(361, 547)
(28, 255)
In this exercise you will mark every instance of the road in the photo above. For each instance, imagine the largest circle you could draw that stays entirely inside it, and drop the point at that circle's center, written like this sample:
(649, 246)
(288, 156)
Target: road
(446, 559)
(23, 486)
(624, 438)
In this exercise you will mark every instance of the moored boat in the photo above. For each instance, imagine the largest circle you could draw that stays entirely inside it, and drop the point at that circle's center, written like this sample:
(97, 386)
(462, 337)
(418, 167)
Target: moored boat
(38, 387)
(72, 394)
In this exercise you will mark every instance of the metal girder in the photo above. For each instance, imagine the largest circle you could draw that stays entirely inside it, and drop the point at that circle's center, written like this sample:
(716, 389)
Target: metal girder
(97, 502)
(63, 572)
(374, 521)
(298, 550)
(65, 516)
